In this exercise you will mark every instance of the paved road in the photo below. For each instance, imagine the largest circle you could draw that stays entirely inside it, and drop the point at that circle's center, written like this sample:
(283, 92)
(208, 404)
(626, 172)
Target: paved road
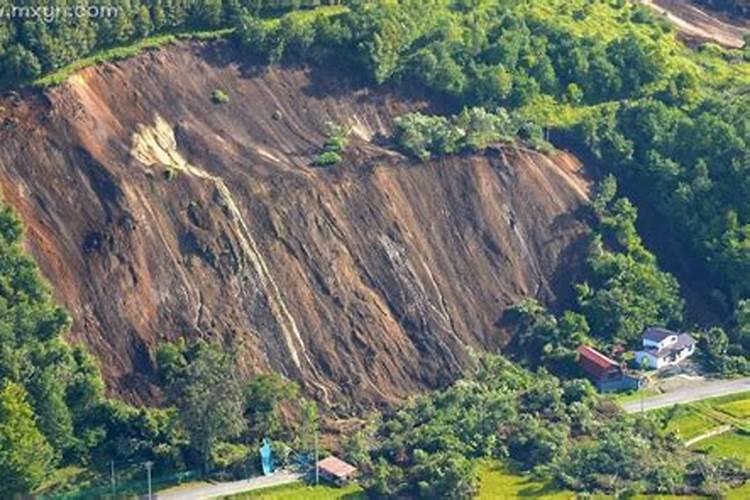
(224, 489)
(695, 391)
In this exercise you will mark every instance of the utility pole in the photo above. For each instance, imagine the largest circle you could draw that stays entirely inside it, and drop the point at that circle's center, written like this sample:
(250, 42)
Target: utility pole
(112, 478)
(317, 469)
(149, 465)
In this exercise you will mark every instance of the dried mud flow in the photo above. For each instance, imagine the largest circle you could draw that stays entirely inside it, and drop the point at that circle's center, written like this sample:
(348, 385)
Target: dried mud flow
(156, 214)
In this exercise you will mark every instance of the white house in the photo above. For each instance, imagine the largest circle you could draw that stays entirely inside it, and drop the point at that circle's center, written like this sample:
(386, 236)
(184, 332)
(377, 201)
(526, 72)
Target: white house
(662, 347)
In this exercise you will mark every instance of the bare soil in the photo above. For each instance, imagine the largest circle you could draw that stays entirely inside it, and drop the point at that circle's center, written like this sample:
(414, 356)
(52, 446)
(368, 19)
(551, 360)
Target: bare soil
(697, 23)
(157, 214)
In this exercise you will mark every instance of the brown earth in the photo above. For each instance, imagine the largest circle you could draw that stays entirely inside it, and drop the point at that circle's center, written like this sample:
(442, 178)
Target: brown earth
(367, 281)
(701, 25)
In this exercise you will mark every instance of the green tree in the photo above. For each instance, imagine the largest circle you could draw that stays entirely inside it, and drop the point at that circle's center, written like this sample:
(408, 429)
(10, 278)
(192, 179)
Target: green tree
(263, 397)
(208, 396)
(25, 455)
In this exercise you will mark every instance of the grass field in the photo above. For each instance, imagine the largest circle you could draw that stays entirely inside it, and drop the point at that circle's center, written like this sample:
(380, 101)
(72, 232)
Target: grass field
(692, 423)
(698, 418)
(300, 491)
(729, 445)
(497, 482)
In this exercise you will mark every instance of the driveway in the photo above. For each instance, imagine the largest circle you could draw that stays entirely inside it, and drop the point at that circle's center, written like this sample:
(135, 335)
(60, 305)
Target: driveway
(694, 391)
(225, 489)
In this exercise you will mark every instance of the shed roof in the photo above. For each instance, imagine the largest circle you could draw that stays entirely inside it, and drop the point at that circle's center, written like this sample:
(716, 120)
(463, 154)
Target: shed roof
(594, 362)
(336, 467)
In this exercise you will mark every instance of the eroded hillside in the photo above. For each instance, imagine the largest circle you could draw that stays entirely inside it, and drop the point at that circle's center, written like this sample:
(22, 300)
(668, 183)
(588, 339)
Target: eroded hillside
(156, 214)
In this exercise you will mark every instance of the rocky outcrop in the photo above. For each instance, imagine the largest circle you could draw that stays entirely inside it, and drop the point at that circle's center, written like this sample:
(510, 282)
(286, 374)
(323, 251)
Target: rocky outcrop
(155, 213)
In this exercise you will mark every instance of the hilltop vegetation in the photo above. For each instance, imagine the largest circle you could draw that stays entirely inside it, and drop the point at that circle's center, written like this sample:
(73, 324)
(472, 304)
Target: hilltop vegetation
(34, 46)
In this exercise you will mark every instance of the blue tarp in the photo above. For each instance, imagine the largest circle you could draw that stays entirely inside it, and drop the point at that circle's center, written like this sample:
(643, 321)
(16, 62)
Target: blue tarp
(266, 457)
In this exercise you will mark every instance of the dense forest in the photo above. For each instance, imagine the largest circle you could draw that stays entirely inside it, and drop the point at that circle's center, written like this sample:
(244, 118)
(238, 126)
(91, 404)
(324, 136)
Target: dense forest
(562, 429)
(31, 46)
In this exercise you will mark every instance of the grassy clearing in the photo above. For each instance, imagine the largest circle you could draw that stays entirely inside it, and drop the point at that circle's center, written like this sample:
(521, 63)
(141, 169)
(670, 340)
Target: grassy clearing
(300, 491)
(691, 424)
(636, 395)
(497, 482)
(737, 409)
(700, 417)
(729, 445)
(124, 52)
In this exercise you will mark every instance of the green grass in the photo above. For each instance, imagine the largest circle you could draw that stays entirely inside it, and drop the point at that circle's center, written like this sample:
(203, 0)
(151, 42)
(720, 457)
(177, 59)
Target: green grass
(124, 52)
(628, 397)
(729, 445)
(692, 423)
(300, 491)
(700, 417)
(497, 481)
(737, 409)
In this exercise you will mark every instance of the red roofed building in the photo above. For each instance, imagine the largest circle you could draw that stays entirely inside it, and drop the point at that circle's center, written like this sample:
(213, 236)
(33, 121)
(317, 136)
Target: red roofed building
(606, 374)
(337, 471)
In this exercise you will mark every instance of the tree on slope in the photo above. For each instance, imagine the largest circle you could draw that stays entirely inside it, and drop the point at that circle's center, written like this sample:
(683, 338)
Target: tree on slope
(208, 397)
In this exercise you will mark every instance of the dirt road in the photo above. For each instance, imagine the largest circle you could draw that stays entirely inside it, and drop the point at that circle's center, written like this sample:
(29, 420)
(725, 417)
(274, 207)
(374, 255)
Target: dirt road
(694, 392)
(699, 24)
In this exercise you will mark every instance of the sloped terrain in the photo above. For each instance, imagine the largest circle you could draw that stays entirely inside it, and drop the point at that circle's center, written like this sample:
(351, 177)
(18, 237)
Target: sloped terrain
(700, 24)
(156, 214)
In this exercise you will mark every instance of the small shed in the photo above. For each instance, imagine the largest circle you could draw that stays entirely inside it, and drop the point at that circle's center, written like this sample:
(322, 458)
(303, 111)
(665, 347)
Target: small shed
(336, 470)
(606, 374)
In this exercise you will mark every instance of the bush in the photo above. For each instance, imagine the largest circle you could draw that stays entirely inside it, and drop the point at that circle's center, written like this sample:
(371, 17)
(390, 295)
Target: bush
(336, 142)
(327, 158)
(475, 128)
(218, 96)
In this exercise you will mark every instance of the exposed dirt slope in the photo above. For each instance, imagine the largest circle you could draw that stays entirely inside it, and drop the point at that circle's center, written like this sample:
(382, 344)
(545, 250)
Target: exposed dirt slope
(699, 24)
(367, 281)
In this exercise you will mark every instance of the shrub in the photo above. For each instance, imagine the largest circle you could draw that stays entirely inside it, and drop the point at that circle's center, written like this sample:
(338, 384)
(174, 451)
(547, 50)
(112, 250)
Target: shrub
(336, 142)
(327, 158)
(423, 136)
(218, 96)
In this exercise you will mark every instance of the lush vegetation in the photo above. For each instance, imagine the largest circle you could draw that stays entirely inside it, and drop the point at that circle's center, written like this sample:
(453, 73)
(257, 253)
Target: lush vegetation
(223, 417)
(472, 130)
(33, 46)
(624, 293)
(695, 419)
(52, 408)
(337, 138)
(557, 429)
